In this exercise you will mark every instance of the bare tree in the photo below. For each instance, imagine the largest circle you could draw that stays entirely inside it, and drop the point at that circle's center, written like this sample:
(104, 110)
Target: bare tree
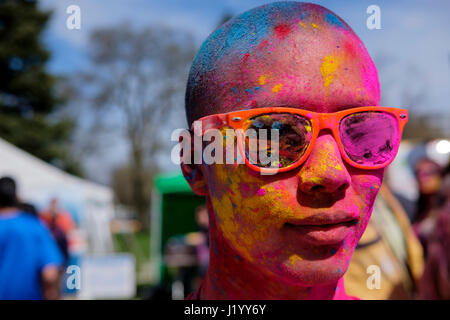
(132, 85)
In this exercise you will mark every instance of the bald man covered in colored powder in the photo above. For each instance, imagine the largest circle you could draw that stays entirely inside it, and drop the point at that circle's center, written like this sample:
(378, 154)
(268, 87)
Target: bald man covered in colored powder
(289, 235)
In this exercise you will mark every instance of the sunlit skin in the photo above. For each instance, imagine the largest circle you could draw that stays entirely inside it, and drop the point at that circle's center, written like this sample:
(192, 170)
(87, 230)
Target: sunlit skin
(301, 56)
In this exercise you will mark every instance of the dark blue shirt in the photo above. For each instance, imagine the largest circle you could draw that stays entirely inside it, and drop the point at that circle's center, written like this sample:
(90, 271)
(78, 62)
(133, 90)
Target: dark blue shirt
(26, 247)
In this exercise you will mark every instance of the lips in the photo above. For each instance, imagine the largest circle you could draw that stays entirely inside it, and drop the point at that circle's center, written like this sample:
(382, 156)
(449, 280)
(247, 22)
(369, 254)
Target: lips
(323, 229)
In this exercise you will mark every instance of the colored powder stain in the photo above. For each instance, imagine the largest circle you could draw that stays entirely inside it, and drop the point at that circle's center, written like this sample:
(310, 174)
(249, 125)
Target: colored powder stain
(294, 258)
(317, 180)
(350, 50)
(333, 20)
(257, 88)
(245, 58)
(262, 80)
(277, 88)
(302, 24)
(304, 15)
(233, 205)
(229, 180)
(282, 30)
(333, 251)
(248, 90)
(238, 257)
(261, 192)
(244, 189)
(327, 69)
(315, 26)
(253, 103)
(233, 90)
(338, 167)
(263, 44)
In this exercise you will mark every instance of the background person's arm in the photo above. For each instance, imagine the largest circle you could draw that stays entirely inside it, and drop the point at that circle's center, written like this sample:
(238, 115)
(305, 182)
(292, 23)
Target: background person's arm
(51, 265)
(50, 277)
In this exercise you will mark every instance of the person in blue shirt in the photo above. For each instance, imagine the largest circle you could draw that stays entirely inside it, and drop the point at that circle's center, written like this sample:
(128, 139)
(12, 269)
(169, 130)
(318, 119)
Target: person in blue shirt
(30, 261)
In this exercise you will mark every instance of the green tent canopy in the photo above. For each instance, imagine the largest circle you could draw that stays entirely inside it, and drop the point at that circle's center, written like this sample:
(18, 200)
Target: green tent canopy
(171, 183)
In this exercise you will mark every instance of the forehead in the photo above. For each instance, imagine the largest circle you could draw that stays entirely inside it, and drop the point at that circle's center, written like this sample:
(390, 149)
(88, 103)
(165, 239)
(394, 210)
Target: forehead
(314, 62)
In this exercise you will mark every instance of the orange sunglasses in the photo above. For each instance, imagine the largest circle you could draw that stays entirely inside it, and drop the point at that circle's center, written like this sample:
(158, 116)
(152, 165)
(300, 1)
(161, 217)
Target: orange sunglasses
(367, 137)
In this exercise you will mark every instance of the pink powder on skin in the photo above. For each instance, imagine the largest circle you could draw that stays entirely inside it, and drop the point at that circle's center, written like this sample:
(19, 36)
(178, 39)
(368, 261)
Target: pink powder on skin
(261, 192)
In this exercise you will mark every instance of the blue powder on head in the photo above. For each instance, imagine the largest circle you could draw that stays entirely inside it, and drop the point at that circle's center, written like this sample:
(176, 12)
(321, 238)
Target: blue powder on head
(333, 20)
(304, 15)
(244, 32)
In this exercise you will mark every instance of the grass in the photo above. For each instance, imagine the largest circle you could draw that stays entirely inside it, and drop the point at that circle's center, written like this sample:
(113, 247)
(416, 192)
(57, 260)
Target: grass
(137, 244)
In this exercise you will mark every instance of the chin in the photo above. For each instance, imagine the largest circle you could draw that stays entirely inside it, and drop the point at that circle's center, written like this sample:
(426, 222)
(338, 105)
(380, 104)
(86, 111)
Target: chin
(313, 273)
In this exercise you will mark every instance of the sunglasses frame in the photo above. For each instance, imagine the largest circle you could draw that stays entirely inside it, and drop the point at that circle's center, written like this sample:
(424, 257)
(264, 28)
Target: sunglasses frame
(319, 121)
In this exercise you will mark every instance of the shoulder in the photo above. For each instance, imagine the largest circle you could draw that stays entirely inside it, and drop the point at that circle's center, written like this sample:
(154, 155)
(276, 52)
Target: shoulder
(194, 295)
(32, 224)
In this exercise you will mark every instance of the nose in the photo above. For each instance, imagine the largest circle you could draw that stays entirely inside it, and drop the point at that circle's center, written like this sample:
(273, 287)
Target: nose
(324, 171)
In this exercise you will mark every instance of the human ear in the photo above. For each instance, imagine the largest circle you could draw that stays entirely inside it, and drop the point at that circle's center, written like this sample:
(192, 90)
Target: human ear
(194, 176)
(192, 170)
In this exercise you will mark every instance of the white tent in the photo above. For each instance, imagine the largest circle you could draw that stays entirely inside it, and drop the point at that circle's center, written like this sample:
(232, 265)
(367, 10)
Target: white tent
(38, 182)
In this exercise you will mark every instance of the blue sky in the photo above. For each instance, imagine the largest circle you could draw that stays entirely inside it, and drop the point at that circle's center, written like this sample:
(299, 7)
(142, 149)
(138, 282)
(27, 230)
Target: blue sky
(415, 37)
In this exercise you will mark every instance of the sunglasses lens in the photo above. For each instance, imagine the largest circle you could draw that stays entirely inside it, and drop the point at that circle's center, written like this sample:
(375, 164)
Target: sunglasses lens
(370, 138)
(276, 139)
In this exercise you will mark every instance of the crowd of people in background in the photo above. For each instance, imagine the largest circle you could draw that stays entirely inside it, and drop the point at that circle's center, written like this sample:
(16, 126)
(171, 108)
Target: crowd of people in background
(432, 226)
(33, 246)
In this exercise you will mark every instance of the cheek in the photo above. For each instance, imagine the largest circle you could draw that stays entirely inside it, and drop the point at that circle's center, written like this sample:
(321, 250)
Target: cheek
(247, 209)
(366, 187)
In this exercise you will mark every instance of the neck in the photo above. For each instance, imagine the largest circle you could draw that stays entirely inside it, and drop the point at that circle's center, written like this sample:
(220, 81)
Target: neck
(7, 210)
(236, 279)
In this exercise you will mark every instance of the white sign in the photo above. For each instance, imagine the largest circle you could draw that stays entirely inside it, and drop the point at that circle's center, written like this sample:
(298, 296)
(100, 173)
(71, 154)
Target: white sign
(108, 276)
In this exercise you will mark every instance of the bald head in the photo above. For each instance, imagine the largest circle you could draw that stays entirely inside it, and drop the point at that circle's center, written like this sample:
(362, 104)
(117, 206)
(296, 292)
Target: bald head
(289, 54)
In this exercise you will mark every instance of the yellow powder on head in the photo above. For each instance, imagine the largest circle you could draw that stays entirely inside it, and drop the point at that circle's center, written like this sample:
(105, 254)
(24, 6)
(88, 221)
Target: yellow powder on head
(315, 25)
(277, 88)
(262, 80)
(328, 69)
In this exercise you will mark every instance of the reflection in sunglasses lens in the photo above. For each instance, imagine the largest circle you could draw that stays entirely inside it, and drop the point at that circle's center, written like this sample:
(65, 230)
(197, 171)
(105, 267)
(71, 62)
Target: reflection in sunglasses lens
(370, 138)
(294, 135)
